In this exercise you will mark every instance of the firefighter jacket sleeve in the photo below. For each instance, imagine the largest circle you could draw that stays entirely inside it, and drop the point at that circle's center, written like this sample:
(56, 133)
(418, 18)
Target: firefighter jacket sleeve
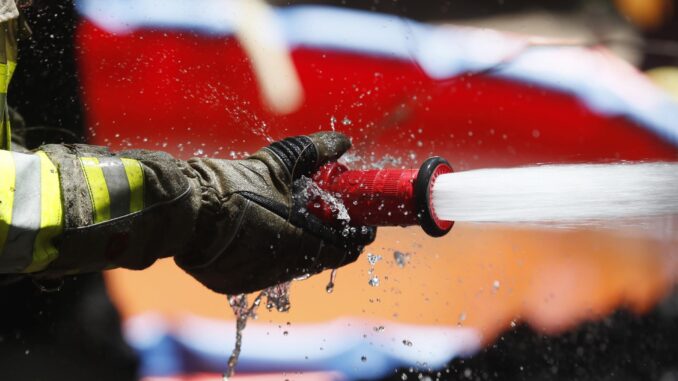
(234, 225)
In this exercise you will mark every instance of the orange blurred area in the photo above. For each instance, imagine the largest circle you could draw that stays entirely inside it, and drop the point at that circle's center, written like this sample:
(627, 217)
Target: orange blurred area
(647, 14)
(481, 276)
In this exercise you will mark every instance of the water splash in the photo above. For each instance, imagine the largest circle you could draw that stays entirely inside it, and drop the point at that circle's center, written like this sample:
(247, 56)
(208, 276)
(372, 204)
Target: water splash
(243, 312)
(277, 297)
(306, 190)
(330, 285)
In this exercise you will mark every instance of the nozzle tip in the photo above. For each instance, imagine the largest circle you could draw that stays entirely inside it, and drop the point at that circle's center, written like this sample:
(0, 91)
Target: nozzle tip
(429, 171)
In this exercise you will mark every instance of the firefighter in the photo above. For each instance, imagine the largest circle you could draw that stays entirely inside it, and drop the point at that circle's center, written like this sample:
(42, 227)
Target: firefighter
(233, 225)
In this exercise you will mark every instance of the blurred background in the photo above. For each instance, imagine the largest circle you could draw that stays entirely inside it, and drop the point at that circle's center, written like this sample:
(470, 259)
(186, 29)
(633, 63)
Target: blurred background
(484, 83)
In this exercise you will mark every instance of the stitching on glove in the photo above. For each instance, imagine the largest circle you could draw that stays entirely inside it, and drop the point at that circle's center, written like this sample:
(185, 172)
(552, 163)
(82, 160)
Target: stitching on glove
(234, 232)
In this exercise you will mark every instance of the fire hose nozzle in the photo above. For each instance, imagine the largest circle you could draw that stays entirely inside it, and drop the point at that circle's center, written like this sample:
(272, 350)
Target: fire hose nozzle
(383, 197)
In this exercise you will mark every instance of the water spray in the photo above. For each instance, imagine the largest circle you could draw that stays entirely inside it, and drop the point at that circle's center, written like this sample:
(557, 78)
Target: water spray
(384, 197)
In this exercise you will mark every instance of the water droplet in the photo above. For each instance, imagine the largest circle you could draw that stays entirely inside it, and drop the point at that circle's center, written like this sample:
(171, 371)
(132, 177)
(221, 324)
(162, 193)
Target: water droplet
(373, 258)
(401, 258)
(407, 343)
(330, 285)
(495, 285)
(363, 358)
(374, 281)
(379, 328)
(303, 277)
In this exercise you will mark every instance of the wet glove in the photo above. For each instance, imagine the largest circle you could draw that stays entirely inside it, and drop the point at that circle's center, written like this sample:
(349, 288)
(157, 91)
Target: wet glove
(251, 231)
(234, 225)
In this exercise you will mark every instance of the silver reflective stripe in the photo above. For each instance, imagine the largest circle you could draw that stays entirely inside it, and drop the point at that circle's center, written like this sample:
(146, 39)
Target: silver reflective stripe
(117, 184)
(4, 118)
(18, 252)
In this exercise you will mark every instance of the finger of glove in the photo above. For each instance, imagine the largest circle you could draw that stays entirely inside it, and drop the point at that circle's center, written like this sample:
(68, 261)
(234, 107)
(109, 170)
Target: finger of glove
(330, 146)
(343, 236)
(298, 216)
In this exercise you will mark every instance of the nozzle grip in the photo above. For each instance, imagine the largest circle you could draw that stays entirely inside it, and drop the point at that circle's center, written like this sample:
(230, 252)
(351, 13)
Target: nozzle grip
(380, 197)
(383, 197)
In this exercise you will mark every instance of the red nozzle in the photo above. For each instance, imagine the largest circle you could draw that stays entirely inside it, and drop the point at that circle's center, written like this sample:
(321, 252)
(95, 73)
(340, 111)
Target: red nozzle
(384, 197)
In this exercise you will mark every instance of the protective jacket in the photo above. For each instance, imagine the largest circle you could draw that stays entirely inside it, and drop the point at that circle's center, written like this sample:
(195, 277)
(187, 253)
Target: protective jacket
(10, 27)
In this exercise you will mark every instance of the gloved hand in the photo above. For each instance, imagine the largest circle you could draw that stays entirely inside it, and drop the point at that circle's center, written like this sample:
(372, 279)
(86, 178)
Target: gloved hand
(234, 225)
(249, 232)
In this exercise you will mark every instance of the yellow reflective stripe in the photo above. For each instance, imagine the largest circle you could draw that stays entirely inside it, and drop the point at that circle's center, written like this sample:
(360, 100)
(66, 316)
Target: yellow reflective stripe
(4, 77)
(6, 72)
(51, 213)
(7, 186)
(11, 66)
(101, 201)
(135, 177)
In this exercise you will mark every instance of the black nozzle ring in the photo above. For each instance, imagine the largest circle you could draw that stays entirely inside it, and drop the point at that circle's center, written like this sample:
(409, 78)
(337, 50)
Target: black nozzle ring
(431, 168)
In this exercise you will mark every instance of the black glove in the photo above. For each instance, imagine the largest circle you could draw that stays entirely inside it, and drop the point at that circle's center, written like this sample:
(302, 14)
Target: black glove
(252, 233)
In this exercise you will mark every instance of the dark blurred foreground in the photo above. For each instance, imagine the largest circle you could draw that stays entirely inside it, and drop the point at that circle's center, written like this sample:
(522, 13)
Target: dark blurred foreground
(621, 347)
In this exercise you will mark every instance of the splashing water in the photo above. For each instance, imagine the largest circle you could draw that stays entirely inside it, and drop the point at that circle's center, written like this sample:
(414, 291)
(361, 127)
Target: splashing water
(330, 285)
(558, 193)
(243, 312)
(277, 297)
(305, 190)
